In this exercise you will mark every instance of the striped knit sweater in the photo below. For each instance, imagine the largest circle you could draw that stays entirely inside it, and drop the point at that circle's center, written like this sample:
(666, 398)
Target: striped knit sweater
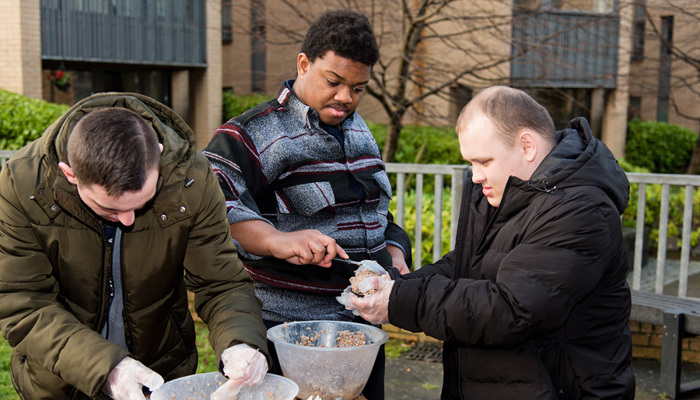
(275, 163)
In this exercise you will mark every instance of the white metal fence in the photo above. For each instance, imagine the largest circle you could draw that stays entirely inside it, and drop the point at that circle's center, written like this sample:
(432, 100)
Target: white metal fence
(664, 271)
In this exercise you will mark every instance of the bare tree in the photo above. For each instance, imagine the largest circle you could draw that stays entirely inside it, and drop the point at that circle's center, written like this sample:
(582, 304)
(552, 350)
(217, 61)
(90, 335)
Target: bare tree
(684, 48)
(432, 51)
(667, 63)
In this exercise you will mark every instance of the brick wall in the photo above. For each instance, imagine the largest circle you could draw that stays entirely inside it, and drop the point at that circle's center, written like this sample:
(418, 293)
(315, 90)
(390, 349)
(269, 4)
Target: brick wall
(20, 47)
(646, 343)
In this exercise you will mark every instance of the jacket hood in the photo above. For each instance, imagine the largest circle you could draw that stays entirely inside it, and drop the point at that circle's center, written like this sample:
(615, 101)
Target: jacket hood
(579, 159)
(176, 136)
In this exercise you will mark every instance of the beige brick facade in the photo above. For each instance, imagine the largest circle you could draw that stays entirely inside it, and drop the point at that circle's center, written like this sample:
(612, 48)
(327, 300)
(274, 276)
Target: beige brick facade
(206, 85)
(20, 47)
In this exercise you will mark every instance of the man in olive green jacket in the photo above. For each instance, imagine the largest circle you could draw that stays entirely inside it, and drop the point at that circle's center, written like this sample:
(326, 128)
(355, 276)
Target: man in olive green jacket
(93, 275)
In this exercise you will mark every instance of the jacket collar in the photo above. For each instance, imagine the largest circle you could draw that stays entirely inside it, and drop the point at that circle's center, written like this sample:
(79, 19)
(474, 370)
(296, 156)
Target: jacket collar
(288, 99)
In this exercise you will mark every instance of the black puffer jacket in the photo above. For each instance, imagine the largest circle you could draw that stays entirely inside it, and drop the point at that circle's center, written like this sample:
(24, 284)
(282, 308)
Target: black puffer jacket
(533, 302)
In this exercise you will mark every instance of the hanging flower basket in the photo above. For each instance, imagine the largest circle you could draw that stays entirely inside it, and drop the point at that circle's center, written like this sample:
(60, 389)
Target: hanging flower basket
(60, 78)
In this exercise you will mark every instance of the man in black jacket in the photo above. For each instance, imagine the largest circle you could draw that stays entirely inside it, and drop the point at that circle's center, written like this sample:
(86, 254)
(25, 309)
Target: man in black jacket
(533, 302)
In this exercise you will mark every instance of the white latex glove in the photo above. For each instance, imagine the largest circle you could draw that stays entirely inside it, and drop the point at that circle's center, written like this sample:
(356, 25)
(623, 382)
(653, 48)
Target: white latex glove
(244, 366)
(373, 307)
(128, 377)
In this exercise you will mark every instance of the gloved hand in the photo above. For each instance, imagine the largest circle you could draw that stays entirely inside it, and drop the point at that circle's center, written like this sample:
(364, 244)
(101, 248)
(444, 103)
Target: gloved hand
(244, 366)
(126, 379)
(373, 307)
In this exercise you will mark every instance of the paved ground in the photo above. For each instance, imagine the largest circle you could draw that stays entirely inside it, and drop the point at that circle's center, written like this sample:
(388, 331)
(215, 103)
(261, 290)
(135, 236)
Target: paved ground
(418, 380)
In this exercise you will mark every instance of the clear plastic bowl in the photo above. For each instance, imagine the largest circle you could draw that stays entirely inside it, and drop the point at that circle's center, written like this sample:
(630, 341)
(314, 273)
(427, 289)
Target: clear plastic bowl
(201, 386)
(323, 369)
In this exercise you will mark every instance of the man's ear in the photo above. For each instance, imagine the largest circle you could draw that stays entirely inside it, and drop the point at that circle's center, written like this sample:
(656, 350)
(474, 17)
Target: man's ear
(68, 172)
(527, 142)
(303, 64)
(160, 145)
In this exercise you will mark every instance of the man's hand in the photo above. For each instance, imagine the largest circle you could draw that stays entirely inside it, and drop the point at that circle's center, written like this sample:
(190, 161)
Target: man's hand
(300, 247)
(244, 366)
(374, 307)
(128, 377)
(398, 259)
(305, 247)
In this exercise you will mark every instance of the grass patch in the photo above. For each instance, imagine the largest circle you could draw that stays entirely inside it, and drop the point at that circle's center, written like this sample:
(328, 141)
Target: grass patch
(394, 348)
(206, 355)
(7, 391)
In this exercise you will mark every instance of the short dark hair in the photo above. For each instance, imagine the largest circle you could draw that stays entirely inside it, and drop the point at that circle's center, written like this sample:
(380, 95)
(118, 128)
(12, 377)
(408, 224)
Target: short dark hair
(114, 148)
(510, 111)
(347, 33)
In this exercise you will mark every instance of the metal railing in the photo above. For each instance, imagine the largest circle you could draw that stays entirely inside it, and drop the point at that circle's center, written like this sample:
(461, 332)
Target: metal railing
(5, 155)
(560, 48)
(164, 32)
(656, 277)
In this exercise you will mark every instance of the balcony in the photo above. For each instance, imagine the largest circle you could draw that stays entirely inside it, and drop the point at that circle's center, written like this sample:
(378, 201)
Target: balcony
(157, 32)
(565, 49)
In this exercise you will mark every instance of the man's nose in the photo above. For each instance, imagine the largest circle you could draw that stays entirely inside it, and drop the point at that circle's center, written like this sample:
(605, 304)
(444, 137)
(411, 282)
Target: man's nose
(477, 174)
(343, 95)
(126, 218)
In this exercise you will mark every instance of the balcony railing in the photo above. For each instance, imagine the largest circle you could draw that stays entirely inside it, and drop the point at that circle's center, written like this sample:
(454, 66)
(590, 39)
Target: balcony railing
(153, 32)
(565, 49)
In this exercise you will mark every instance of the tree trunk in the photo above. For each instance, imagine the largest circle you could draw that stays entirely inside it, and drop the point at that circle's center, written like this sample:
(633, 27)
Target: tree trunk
(393, 131)
(694, 164)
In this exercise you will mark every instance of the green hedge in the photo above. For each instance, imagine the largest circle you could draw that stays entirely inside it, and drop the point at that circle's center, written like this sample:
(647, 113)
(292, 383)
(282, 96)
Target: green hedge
(23, 120)
(422, 144)
(659, 146)
(234, 106)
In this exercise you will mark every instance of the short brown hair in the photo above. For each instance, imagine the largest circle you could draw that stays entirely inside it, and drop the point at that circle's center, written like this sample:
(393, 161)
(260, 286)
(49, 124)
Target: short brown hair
(114, 148)
(510, 111)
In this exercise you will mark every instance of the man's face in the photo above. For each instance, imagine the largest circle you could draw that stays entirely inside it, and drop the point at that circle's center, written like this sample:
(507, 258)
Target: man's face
(121, 209)
(493, 162)
(332, 85)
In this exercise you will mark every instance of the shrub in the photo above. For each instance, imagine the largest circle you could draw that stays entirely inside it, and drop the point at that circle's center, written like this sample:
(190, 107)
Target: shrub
(23, 120)
(659, 146)
(234, 106)
(422, 144)
(428, 223)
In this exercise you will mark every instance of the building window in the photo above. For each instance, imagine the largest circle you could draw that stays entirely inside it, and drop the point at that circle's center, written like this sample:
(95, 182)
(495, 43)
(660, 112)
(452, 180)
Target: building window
(257, 44)
(226, 22)
(664, 87)
(667, 34)
(638, 37)
(662, 109)
(459, 97)
(634, 109)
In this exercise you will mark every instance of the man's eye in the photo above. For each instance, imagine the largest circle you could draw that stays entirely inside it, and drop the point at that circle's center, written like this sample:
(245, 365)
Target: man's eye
(332, 83)
(359, 89)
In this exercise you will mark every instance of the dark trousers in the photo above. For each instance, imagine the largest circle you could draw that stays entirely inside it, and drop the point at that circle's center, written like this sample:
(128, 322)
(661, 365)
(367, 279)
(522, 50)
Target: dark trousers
(374, 389)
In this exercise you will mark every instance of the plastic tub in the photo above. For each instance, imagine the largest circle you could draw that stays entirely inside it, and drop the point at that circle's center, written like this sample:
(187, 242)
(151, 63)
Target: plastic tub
(201, 386)
(323, 369)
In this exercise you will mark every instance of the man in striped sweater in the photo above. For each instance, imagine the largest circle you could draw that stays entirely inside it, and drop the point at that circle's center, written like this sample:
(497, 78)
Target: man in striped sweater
(304, 182)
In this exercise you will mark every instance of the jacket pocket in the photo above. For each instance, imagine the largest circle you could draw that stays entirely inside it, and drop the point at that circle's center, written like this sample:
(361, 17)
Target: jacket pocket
(177, 351)
(32, 381)
(305, 199)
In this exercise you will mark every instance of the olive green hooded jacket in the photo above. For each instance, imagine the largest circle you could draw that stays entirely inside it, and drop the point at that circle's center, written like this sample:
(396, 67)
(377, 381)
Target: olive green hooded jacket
(55, 265)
